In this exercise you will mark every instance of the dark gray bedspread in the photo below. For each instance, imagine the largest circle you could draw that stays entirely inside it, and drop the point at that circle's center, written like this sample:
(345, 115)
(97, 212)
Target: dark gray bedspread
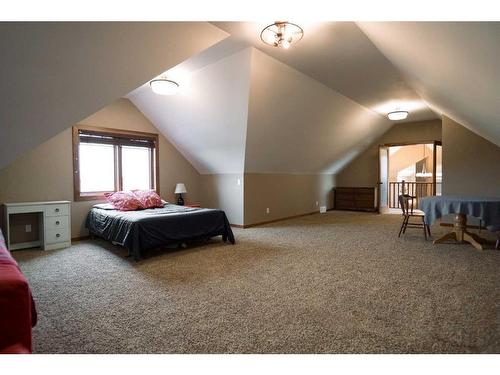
(151, 228)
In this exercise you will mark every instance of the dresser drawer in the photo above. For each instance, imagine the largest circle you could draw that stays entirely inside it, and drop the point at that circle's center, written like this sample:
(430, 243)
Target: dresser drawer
(344, 204)
(344, 195)
(57, 235)
(367, 204)
(57, 210)
(345, 190)
(368, 191)
(56, 222)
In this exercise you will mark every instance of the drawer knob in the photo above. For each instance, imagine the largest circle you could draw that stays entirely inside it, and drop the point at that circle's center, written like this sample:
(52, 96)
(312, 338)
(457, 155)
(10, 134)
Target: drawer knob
(57, 209)
(58, 235)
(57, 223)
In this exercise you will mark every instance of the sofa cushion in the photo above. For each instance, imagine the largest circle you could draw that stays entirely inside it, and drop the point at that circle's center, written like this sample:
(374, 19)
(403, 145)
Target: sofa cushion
(18, 312)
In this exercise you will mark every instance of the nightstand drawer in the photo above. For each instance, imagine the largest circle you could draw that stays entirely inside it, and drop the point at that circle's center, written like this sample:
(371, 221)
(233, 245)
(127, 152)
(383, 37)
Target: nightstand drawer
(56, 222)
(57, 210)
(57, 235)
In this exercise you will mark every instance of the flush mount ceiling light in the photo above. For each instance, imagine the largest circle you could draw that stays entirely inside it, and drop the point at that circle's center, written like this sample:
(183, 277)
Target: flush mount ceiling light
(397, 115)
(281, 34)
(163, 86)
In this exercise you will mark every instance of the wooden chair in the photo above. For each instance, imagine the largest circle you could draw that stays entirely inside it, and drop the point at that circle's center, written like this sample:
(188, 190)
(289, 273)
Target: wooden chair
(406, 203)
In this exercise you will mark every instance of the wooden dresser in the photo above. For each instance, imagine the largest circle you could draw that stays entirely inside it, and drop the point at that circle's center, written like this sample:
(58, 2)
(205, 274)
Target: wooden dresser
(355, 198)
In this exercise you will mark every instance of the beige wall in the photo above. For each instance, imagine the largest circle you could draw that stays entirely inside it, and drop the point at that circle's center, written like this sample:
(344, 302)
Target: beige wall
(224, 191)
(363, 170)
(285, 195)
(471, 164)
(46, 172)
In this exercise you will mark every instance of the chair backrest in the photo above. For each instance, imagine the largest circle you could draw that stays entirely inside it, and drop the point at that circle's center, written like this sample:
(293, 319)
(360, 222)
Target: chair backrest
(406, 203)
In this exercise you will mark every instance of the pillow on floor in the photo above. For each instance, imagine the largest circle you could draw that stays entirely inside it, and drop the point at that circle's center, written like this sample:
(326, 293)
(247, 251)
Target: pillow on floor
(148, 198)
(124, 200)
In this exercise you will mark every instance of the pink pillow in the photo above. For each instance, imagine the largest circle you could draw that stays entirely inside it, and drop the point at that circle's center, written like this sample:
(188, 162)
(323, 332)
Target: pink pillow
(148, 198)
(124, 200)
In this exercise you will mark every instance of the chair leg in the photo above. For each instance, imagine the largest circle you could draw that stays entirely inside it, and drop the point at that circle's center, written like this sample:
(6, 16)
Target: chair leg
(428, 229)
(405, 224)
(424, 227)
(402, 226)
(497, 245)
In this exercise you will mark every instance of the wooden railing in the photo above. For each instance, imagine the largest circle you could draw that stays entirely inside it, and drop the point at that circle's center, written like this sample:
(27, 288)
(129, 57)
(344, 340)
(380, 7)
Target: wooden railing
(416, 189)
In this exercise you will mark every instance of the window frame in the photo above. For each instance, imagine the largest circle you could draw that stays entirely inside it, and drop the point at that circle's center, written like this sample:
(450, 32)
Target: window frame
(118, 133)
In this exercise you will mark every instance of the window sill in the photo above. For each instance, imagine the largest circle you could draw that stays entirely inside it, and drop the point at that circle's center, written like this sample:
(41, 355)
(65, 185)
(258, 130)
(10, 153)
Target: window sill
(91, 197)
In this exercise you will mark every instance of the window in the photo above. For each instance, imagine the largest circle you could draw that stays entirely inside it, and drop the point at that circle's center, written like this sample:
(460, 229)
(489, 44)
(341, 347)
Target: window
(107, 160)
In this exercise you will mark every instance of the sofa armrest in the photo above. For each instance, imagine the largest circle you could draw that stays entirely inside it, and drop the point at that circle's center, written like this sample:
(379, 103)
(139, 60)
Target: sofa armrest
(16, 314)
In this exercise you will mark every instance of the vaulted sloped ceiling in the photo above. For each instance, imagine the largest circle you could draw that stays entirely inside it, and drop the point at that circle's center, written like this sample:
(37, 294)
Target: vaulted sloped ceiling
(454, 66)
(54, 74)
(298, 125)
(248, 112)
(315, 107)
(207, 119)
(243, 106)
(342, 57)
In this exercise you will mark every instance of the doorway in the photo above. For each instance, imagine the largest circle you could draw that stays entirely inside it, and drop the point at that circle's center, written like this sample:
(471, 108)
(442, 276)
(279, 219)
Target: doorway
(410, 168)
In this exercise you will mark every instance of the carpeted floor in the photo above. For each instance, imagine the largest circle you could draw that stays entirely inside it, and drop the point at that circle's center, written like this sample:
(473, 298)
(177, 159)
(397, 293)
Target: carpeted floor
(341, 282)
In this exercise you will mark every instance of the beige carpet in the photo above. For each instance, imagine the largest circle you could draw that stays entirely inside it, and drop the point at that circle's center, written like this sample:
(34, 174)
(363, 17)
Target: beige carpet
(335, 283)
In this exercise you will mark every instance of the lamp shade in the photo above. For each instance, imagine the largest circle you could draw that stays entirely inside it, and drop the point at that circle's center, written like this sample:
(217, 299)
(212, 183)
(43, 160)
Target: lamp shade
(180, 188)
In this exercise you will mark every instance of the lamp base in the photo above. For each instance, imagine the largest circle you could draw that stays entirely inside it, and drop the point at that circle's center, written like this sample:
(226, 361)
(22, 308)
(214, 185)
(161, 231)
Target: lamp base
(180, 200)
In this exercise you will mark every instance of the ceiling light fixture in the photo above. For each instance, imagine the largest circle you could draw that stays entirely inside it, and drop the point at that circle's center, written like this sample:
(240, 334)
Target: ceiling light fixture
(281, 34)
(163, 86)
(397, 115)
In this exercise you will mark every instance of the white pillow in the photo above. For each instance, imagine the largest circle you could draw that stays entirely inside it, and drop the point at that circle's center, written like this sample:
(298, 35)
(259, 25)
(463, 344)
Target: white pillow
(104, 206)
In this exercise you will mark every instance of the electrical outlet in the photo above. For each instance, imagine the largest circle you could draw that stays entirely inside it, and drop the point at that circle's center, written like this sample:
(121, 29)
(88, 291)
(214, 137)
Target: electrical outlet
(267, 210)
(239, 182)
(27, 228)
(317, 203)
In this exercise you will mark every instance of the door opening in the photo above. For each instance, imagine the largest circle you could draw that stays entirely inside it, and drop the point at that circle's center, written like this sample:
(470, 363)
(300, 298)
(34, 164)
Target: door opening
(413, 169)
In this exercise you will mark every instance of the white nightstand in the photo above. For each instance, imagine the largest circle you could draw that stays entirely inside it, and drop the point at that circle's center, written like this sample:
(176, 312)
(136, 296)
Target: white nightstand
(54, 223)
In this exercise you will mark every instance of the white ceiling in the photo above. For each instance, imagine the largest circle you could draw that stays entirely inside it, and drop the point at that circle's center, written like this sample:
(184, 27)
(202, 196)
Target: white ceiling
(245, 111)
(327, 97)
(207, 119)
(340, 55)
(454, 66)
(297, 125)
(55, 74)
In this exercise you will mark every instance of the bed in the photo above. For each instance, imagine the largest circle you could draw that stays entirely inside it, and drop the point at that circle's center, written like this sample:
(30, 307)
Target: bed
(142, 230)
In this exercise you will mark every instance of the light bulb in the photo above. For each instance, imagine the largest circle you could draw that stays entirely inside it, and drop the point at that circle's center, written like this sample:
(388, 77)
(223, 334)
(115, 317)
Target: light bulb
(285, 44)
(270, 37)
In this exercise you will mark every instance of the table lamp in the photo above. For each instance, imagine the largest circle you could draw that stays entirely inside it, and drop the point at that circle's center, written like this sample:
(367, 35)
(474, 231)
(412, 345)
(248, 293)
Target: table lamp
(180, 189)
